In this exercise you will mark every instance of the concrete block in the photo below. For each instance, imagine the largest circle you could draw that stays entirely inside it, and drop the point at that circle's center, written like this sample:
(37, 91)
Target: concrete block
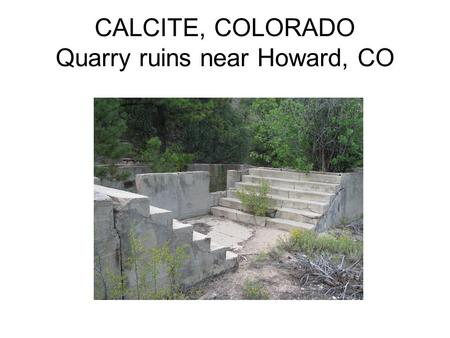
(161, 217)
(296, 175)
(193, 194)
(214, 197)
(233, 176)
(231, 260)
(297, 215)
(103, 216)
(288, 225)
(251, 219)
(202, 242)
(161, 189)
(183, 233)
(186, 194)
(224, 212)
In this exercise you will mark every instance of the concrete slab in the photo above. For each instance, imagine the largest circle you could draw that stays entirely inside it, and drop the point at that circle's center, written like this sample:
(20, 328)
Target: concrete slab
(240, 238)
(222, 231)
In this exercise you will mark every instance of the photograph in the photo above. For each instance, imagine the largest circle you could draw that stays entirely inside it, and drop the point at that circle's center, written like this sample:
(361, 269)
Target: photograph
(228, 199)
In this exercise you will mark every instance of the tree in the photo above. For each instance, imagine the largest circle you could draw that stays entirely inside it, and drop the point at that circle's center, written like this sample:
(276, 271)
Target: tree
(109, 127)
(320, 134)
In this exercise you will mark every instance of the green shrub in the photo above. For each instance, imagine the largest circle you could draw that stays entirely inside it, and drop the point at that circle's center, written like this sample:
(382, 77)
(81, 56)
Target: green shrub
(254, 290)
(173, 159)
(310, 242)
(307, 134)
(145, 264)
(257, 201)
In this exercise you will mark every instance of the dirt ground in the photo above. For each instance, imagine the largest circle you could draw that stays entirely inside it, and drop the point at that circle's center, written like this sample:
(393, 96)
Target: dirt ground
(274, 271)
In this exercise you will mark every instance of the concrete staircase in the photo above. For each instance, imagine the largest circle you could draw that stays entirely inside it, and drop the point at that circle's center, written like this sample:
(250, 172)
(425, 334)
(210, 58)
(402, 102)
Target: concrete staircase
(117, 210)
(300, 199)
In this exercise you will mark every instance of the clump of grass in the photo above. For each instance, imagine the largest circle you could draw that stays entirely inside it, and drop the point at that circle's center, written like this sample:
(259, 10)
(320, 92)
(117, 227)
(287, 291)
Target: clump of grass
(254, 290)
(255, 202)
(262, 257)
(310, 242)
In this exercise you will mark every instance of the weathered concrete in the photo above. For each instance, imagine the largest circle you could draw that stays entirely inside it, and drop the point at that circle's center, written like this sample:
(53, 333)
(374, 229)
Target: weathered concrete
(242, 238)
(214, 197)
(234, 176)
(217, 173)
(311, 200)
(118, 214)
(106, 246)
(347, 205)
(186, 194)
(222, 230)
(353, 197)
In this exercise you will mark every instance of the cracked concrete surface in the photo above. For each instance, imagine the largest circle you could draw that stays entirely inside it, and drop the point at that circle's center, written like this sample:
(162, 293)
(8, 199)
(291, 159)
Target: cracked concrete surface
(243, 239)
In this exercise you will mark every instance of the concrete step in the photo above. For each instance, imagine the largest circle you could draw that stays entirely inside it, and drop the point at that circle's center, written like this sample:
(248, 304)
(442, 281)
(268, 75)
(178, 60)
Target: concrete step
(288, 225)
(238, 216)
(292, 184)
(139, 204)
(228, 260)
(219, 252)
(303, 216)
(283, 202)
(183, 232)
(231, 260)
(289, 193)
(160, 216)
(230, 202)
(202, 242)
(297, 176)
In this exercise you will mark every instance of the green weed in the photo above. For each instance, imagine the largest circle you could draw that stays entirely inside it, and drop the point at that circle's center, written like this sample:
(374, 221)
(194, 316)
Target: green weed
(310, 242)
(256, 202)
(254, 290)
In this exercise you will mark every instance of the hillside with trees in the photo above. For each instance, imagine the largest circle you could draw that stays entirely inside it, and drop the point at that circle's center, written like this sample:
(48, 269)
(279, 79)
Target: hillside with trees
(324, 134)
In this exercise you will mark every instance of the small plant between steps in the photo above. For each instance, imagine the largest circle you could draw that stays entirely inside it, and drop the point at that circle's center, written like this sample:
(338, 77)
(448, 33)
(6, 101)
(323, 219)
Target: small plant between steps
(255, 201)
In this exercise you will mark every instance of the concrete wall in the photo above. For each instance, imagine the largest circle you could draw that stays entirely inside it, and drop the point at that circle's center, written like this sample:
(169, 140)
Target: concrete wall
(347, 205)
(186, 194)
(217, 173)
(117, 215)
(107, 255)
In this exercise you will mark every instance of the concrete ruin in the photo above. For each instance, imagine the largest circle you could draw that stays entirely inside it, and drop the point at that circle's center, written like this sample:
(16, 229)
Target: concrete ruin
(300, 200)
(217, 173)
(313, 201)
(117, 211)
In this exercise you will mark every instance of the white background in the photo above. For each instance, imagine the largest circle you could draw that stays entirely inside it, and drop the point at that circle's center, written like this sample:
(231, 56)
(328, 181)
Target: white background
(46, 138)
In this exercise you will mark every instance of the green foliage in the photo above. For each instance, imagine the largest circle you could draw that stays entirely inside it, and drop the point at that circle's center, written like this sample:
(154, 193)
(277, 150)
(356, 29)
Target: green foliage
(254, 290)
(211, 129)
(275, 132)
(174, 263)
(331, 133)
(111, 171)
(171, 160)
(109, 128)
(304, 134)
(307, 134)
(310, 242)
(256, 201)
(107, 285)
(146, 265)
